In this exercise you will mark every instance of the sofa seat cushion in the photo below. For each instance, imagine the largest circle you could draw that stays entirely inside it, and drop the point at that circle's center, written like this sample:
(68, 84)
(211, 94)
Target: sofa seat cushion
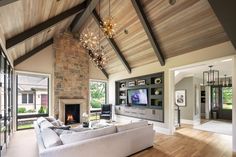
(133, 125)
(80, 136)
(50, 138)
(45, 124)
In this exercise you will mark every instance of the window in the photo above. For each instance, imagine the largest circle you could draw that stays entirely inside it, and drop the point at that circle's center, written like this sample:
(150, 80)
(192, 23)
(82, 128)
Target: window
(24, 98)
(227, 97)
(98, 93)
(30, 98)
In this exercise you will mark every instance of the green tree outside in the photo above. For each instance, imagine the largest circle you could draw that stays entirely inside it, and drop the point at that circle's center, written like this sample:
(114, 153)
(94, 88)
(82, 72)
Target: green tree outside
(97, 94)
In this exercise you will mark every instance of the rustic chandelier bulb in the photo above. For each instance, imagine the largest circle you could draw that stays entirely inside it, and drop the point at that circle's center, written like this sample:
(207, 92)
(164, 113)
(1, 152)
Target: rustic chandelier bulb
(108, 27)
(89, 40)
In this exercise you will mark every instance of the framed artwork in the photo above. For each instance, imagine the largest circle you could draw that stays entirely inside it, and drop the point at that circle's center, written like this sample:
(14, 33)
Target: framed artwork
(180, 97)
(141, 82)
(131, 83)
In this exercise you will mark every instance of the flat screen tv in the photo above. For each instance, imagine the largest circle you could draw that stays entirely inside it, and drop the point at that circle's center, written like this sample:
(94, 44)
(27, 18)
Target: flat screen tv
(138, 97)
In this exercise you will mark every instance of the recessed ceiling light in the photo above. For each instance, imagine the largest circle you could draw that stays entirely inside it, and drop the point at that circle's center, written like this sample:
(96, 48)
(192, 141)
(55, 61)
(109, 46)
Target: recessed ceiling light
(226, 60)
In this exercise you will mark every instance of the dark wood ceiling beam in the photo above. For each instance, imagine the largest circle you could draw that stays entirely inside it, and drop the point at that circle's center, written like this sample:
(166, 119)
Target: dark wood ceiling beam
(44, 25)
(79, 20)
(225, 11)
(33, 52)
(143, 19)
(113, 44)
(105, 73)
(6, 2)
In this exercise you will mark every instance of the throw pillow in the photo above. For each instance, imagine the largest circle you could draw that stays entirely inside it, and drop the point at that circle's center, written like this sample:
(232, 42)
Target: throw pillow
(40, 120)
(50, 138)
(45, 124)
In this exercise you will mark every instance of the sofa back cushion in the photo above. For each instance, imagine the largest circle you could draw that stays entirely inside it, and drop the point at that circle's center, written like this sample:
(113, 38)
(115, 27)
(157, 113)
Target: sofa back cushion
(45, 124)
(80, 136)
(133, 125)
(40, 120)
(50, 138)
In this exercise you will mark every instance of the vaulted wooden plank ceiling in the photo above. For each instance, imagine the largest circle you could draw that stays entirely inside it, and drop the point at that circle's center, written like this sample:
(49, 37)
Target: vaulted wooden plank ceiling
(186, 26)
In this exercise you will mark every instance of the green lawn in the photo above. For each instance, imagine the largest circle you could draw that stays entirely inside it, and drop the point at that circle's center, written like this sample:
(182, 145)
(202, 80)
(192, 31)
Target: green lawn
(25, 126)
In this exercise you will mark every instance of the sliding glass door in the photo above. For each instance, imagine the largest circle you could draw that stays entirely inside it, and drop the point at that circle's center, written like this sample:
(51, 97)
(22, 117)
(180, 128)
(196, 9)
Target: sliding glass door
(32, 99)
(6, 106)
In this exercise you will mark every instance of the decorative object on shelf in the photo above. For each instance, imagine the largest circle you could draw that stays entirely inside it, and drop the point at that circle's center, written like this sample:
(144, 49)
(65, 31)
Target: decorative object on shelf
(141, 82)
(157, 80)
(131, 83)
(123, 101)
(180, 97)
(122, 94)
(211, 77)
(108, 25)
(157, 92)
(122, 85)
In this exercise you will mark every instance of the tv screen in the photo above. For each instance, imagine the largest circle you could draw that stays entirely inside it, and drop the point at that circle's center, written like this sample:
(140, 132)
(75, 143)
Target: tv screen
(138, 97)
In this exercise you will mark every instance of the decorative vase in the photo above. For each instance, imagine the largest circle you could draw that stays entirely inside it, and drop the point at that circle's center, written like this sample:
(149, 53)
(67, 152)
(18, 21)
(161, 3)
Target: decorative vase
(157, 81)
(157, 92)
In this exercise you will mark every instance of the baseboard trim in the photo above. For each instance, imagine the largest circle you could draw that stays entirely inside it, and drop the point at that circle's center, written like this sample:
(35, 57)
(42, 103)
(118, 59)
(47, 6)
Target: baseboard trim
(191, 122)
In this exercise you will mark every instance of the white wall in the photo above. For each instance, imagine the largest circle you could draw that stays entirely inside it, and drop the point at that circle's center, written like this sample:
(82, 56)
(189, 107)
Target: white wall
(217, 51)
(95, 73)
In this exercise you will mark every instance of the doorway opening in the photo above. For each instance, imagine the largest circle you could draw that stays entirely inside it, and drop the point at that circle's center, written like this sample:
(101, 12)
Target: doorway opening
(205, 107)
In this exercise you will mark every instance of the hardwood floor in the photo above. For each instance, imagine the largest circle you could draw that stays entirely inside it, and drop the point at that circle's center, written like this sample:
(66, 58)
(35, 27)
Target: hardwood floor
(188, 142)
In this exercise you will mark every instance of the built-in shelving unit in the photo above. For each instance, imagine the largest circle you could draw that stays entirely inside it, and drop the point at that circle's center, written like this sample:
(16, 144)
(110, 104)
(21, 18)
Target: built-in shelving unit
(154, 85)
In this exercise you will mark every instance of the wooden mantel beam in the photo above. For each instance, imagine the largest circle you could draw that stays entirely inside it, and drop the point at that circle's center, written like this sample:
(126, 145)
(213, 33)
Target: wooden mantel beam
(143, 19)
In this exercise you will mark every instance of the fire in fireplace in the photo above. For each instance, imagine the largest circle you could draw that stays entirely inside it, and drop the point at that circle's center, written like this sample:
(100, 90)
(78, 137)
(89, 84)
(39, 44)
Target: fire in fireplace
(72, 113)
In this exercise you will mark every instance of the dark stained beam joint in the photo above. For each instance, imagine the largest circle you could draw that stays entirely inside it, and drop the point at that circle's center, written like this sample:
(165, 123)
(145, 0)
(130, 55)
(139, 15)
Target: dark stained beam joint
(225, 12)
(6, 2)
(113, 44)
(143, 19)
(105, 73)
(33, 52)
(79, 20)
(44, 25)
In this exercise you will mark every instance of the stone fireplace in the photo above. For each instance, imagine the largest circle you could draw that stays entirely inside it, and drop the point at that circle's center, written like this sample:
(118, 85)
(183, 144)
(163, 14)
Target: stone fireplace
(71, 105)
(71, 75)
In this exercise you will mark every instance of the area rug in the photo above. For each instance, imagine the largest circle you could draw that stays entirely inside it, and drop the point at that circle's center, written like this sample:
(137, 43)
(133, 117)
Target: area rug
(221, 127)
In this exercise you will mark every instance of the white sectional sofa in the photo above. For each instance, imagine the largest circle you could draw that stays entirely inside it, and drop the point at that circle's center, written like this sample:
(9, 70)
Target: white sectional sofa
(112, 141)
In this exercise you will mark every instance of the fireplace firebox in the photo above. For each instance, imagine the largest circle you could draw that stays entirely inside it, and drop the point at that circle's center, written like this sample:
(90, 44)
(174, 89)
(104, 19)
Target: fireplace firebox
(72, 114)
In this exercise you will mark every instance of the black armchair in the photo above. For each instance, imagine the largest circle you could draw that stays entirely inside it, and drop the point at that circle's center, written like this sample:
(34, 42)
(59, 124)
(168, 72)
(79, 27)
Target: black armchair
(106, 111)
